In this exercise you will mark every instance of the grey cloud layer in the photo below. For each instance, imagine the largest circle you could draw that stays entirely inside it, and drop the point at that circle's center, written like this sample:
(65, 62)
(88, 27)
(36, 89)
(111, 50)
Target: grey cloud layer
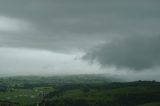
(66, 25)
(72, 23)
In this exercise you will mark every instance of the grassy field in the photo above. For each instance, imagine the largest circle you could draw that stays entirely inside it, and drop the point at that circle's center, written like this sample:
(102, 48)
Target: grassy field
(151, 104)
(25, 96)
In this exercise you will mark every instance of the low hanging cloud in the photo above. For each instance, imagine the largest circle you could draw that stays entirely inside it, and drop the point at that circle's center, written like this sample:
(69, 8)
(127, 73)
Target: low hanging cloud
(133, 52)
(16, 61)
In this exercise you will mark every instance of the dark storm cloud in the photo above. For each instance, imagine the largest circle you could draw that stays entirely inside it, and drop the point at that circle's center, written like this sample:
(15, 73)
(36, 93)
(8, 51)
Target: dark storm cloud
(135, 52)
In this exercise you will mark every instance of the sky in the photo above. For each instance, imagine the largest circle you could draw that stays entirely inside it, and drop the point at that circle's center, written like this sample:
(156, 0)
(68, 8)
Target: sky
(49, 37)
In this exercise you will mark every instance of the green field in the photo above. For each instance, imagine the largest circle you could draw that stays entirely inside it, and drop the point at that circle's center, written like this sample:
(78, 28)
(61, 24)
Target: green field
(151, 104)
(86, 91)
(25, 96)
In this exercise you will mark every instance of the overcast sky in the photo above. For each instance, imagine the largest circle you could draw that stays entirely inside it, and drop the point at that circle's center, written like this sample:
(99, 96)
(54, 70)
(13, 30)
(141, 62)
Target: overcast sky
(115, 37)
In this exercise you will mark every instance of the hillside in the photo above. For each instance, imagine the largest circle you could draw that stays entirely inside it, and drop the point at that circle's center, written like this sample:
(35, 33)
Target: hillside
(79, 90)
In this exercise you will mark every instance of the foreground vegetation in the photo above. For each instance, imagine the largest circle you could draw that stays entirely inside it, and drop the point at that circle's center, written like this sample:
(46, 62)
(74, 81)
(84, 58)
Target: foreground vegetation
(91, 90)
